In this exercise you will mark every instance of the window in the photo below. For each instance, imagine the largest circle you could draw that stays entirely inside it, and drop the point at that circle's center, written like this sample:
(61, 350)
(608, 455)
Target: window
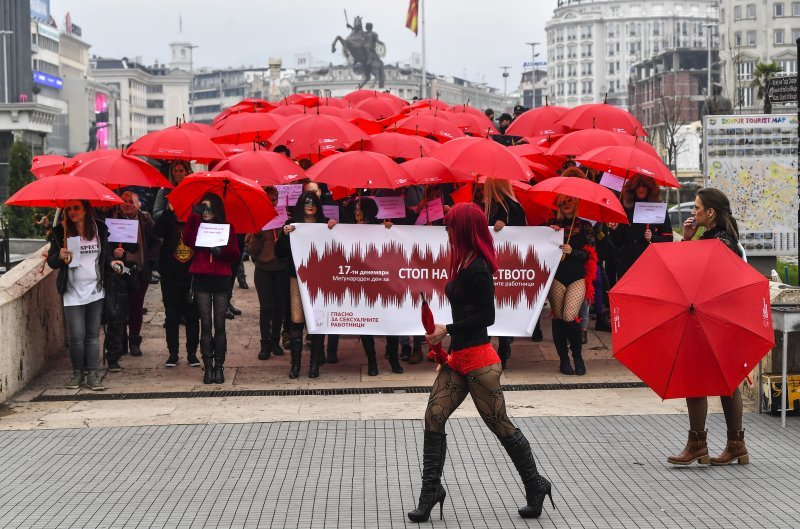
(155, 120)
(744, 97)
(586, 68)
(751, 11)
(572, 33)
(778, 9)
(788, 67)
(560, 70)
(795, 34)
(572, 52)
(572, 89)
(751, 38)
(745, 70)
(572, 70)
(586, 50)
(561, 89)
(586, 32)
(777, 37)
(737, 12)
(737, 38)
(586, 87)
(796, 9)
(155, 103)
(611, 69)
(155, 89)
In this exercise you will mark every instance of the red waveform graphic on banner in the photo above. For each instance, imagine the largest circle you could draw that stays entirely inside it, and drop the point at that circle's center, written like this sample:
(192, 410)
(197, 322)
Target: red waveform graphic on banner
(389, 273)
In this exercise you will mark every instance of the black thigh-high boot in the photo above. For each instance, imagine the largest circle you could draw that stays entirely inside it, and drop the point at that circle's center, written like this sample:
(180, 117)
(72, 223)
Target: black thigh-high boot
(392, 346)
(504, 349)
(296, 352)
(369, 350)
(317, 350)
(433, 454)
(536, 486)
(575, 344)
(562, 346)
(333, 348)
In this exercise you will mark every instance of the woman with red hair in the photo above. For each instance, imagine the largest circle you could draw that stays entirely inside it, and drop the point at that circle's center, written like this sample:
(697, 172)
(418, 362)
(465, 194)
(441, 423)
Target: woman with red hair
(473, 366)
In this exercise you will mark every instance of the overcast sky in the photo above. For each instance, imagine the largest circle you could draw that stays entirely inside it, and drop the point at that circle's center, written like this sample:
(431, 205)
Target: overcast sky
(466, 38)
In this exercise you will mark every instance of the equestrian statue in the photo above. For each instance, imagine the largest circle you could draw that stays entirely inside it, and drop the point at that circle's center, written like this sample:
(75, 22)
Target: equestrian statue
(363, 51)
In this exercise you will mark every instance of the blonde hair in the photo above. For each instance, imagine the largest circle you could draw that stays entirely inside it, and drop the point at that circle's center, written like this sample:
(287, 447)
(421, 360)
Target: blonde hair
(495, 190)
(559, 199)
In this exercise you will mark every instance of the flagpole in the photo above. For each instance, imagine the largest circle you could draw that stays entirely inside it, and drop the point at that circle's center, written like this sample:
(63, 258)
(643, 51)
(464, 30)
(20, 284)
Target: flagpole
(424, 76)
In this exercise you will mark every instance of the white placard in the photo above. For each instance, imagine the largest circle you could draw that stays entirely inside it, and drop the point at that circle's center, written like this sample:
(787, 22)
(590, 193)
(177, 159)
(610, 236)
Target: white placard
(433, 210)
(649, 212)
(123, 230)
(331, 211)
(279, 221)
(74, 246)
(390, 207)
(612, 181)
(211, 235)
(288, 194)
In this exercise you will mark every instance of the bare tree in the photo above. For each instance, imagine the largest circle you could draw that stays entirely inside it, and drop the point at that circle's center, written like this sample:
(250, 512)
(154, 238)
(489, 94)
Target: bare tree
(671, 117)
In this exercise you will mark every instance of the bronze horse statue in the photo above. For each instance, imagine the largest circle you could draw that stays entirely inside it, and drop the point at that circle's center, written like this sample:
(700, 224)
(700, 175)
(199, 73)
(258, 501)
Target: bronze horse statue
(360, 51)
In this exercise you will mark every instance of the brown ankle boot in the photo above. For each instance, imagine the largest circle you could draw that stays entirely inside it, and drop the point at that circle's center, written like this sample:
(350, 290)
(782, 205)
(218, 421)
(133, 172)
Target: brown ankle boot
(735, 449)
(416, 355)
(696, 449)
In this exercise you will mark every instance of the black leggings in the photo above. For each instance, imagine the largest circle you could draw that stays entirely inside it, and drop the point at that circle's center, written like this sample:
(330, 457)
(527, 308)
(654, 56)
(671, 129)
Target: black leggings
(213, 306)
(450, 389)
(273, 294)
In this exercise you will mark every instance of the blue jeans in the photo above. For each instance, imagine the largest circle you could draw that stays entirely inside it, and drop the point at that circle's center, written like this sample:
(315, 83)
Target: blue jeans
(83, 326)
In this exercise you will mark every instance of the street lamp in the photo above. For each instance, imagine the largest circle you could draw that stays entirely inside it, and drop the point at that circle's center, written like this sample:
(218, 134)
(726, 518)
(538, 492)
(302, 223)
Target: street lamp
(505, 82)
(533, 70)
(191, 80)
(4, 33)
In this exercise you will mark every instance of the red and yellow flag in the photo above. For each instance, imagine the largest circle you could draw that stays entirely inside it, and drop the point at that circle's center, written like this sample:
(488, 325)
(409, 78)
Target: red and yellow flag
(413, 15)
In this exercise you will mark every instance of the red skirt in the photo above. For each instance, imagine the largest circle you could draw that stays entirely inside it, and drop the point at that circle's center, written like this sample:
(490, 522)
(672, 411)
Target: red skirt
(465, 360)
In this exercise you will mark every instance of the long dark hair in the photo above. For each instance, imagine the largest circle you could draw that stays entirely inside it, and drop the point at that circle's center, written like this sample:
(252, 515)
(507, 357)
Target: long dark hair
(89, 226)
(628, 195)
(715, 199)
(217, 206)
(299, 215)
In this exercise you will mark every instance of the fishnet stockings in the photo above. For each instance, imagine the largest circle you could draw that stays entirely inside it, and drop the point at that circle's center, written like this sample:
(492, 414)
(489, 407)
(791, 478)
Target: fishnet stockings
(296, 304)
(450, 389)
(566, 300)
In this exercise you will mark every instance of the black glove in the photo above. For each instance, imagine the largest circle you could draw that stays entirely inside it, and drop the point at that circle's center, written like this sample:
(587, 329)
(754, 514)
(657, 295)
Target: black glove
(216, 250)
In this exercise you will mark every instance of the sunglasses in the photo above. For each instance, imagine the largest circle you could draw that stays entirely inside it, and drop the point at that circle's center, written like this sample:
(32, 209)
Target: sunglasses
(309, 203)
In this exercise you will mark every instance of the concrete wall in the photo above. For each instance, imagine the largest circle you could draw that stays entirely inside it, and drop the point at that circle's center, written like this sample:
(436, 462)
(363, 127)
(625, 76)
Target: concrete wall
(32, 329)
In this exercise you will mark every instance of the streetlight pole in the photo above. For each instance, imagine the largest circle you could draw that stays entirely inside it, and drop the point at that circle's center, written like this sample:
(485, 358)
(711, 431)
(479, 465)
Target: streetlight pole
(533, 71)
(505, 83)
(710, 29)
(5, 32)
(191, 80)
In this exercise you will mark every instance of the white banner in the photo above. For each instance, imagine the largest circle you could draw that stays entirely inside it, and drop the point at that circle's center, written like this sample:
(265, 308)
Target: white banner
(366, 279)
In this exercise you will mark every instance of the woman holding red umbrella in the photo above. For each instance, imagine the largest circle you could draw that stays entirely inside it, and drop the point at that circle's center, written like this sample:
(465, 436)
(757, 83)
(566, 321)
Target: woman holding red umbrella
(569, 285)
(211, 271)
(81, 287)
(473, 366)
(712, 211)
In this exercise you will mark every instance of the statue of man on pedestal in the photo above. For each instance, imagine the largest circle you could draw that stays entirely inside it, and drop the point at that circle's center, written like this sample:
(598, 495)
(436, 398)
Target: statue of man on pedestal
(717, 104)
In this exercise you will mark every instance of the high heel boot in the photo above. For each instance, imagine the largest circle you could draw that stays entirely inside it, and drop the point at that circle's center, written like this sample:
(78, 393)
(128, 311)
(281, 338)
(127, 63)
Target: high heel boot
(208, 367)
(369, 349)
(574, 334)
(504, 349)
(536, 486)
(696, 449)
(317, 350)
(433, 454)
(562, 346)
(734, 450)
(296, 351)
(391, 353)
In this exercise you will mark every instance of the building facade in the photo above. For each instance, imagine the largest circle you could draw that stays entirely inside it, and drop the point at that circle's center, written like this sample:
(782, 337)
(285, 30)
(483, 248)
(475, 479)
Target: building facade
(592, 45)
(215, 90)
(752, 32)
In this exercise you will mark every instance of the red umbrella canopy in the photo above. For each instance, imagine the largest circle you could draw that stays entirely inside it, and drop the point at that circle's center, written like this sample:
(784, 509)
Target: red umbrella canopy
(119, 170)
(691, 319)
(264, 167)
(247, 206)
(430, 171)
(626, 162)
(57, 191)
(538, 122)
(334, 102)
(430, 103)
(472, 124)
(360, 169)
(466, 109)
(482, 157)
(49, 164)
(306, 100)
(580, 141)
(316, 135)
(428, 124)
(358, 96)
(396, 145)
(203, 128)
(596, 202)
(252, 104)
(176, 143)
(290, 110)
(247, 128)
(602, 116)
(380, 107)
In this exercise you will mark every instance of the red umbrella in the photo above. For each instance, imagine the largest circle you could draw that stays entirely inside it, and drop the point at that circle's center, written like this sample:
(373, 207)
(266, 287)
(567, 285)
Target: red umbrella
(316, 135)
(360, 169)
(176, 143)
(368, 125)
(628, 161)
(602, 116)
(482, 157)
(435, 350)
(247, 128)
(334, 102)
(380, 107)
(306, 100)
(203, 128)
(396, 145)
(430, 103)
(48, 164)
(596, 202)
(580, 141)
(466, 109)
(358, 96)
(265, 167)
(57, 191)
(247, 206)
(119, 170)
(538, 122)
(439, 127)
(84, 157)
(251, 104)
(472, 124)
(691, 319)
(430, 171)
(290, 110)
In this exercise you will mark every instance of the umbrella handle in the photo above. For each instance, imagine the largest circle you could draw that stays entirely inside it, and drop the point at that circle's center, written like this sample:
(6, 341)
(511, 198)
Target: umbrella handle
(569, 235)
